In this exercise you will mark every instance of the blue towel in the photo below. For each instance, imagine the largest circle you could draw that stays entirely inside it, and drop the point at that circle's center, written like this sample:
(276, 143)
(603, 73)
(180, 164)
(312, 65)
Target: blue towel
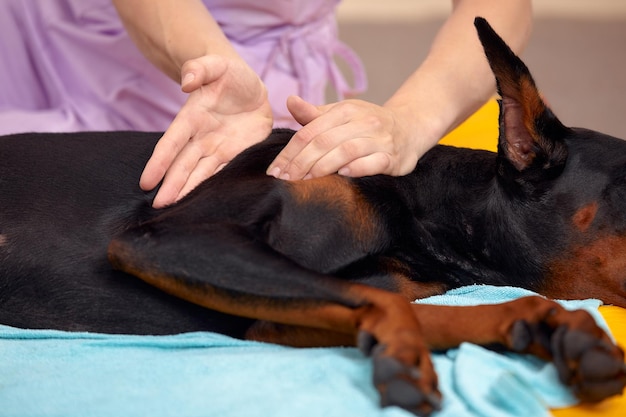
(54, 373)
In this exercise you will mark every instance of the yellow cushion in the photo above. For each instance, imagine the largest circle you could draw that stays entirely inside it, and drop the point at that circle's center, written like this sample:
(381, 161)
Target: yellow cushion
(481, 132)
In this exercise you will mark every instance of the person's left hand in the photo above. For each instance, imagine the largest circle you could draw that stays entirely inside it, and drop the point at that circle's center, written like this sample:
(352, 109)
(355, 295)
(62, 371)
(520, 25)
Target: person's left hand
(353, 137)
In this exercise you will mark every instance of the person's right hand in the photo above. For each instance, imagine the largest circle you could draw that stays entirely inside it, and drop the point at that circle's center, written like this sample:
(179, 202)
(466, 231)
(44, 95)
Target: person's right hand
(226, 112)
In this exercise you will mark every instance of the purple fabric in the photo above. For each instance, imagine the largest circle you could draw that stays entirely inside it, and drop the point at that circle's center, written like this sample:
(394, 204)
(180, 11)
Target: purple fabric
(68, 65)
(291, 44)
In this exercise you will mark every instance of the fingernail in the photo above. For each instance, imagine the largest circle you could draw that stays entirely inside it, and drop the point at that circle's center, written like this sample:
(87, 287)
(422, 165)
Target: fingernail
(345, 171)
(285, 176)
(189, 77)
(307, 177)
(273, 172)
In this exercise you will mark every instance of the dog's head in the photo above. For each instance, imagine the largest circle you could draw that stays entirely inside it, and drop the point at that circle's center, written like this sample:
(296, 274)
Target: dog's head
(568, 183)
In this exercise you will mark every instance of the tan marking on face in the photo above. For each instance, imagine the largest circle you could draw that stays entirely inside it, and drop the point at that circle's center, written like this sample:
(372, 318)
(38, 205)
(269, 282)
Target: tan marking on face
(584, 216)
(596, 270)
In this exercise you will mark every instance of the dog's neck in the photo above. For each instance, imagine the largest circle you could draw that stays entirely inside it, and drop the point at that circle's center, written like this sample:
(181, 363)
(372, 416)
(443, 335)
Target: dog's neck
(465, 226)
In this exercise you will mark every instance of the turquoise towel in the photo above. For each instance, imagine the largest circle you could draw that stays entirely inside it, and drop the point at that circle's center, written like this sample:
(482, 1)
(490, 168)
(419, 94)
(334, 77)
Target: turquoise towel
(53, 373)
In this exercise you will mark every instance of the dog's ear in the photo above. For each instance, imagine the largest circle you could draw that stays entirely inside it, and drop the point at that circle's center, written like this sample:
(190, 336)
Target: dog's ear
(531, 148)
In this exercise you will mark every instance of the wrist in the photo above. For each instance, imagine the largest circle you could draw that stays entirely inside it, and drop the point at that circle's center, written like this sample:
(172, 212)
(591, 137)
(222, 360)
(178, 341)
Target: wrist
(421, 126)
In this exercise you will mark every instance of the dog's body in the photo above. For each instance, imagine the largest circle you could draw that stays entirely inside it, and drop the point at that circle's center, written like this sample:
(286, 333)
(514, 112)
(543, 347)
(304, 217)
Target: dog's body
(321, 261)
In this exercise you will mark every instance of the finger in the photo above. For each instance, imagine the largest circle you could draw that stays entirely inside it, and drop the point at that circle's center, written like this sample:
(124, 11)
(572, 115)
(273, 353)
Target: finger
(346, 158)
(166, 196)
(330, 150)
(301, 110)
(311, 155)
(201, 71)
(178, 174)
(205, 168)
(346, 151)
(372, 164)
(165, 151)
(291, 158)
(380, 162)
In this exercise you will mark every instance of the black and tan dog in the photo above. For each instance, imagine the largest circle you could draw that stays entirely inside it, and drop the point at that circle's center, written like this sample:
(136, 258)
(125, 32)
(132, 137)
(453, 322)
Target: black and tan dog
(332, 260)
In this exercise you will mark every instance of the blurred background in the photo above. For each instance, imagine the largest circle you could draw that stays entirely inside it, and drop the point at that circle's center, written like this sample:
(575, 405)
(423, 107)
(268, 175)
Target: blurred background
(577, 52)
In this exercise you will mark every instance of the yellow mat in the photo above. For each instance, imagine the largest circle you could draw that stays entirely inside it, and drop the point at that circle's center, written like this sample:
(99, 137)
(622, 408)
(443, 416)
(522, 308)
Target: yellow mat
(481, 132)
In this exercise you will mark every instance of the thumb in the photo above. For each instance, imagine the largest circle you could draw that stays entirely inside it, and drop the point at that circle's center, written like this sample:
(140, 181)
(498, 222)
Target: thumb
(201, 71)
(303, 111)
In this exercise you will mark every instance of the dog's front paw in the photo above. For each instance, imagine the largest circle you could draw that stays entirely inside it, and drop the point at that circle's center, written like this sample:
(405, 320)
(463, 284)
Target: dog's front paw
(583, 354)
(593, 368)
(411, 386)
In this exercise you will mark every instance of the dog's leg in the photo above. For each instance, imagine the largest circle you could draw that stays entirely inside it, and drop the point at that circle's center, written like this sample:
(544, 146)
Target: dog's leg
(586, 358)
(224, 268)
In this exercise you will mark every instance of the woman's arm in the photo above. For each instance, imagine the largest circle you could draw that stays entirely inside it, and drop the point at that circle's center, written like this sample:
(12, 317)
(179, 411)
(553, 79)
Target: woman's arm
(227, 109)
(171, 32)
(359, 138)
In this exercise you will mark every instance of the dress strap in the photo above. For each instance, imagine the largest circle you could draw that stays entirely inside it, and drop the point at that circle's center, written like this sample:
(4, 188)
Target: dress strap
(341, 86)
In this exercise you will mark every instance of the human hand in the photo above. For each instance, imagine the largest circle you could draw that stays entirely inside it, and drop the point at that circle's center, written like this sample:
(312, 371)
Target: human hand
(227, 111)
(353, 137)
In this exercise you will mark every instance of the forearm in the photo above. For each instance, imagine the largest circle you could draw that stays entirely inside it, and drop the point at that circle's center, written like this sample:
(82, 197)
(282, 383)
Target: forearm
(454, 79)
(171, 32)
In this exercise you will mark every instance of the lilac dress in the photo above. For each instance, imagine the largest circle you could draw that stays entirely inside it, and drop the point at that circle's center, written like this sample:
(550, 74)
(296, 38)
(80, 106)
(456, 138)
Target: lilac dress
(68, 65)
